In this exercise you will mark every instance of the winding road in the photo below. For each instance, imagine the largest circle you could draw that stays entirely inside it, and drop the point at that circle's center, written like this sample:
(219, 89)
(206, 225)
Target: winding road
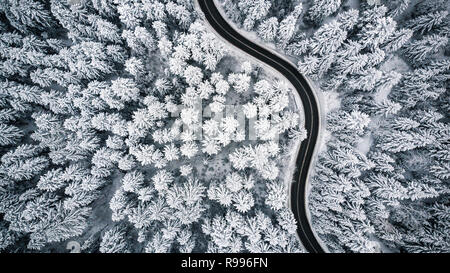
(306, 151)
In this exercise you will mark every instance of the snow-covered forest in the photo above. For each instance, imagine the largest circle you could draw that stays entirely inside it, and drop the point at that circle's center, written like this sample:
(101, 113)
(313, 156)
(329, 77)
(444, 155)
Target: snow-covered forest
(121, 131)
(382, 179)
(124, 126)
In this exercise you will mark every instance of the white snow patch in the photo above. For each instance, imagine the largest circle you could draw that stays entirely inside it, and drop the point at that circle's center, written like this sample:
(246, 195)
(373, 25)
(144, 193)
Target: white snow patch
(331, 101)
(394, 63)
(365, 144)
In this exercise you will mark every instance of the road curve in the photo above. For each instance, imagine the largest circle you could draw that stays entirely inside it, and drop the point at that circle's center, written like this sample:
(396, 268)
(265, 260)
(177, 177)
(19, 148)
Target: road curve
(304, 157)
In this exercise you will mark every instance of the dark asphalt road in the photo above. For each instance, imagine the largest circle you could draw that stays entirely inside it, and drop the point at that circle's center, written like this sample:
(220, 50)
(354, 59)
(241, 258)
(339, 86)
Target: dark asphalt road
(309, 102)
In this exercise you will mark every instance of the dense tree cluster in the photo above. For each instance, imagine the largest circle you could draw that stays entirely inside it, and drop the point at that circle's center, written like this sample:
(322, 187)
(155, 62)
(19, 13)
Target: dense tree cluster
(396, 195)
(381, 183)
(110, 111)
